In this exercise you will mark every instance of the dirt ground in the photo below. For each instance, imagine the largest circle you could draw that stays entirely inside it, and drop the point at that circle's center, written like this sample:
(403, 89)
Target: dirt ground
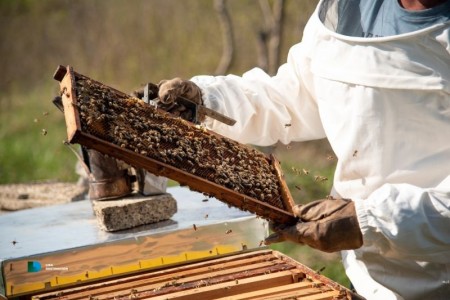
(14, 197)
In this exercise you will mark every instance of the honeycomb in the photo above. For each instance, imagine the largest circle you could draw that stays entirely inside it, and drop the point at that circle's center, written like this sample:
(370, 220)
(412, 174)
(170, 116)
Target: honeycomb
(134, 125)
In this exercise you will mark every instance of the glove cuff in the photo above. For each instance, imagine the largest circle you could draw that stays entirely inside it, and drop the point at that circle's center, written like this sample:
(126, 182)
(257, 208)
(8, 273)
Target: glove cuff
(361, 216)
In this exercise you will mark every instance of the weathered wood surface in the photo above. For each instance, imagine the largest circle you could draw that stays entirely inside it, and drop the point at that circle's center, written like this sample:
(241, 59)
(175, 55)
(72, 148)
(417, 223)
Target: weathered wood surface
(264, 274)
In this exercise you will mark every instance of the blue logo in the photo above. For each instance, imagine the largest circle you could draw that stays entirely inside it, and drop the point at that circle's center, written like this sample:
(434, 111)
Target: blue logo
(34, 266)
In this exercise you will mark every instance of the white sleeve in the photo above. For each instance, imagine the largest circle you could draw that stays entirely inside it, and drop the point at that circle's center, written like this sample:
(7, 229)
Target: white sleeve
(405, 221)
(267, 109)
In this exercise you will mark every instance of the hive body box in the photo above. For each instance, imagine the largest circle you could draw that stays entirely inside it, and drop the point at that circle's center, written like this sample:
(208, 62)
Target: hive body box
(116, 124)
(263, 274)
(66, 248)
(206, 251)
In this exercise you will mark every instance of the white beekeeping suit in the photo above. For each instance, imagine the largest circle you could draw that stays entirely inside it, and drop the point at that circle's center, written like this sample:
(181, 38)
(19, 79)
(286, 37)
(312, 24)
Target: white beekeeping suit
(384, 105)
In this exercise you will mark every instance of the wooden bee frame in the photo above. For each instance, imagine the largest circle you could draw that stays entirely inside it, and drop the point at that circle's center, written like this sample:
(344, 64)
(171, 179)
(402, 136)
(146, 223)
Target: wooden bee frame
(264, 274)
(94, 131)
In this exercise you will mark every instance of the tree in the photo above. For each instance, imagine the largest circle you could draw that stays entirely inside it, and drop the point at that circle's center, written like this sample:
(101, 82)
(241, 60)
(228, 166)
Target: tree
(227, 36)
(269, 37)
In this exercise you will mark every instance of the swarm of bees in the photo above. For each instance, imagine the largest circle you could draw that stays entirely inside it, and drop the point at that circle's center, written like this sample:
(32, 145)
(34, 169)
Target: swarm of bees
(136, 126)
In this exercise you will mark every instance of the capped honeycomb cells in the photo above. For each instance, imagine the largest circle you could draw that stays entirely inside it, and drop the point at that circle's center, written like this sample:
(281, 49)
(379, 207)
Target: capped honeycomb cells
(134, 125)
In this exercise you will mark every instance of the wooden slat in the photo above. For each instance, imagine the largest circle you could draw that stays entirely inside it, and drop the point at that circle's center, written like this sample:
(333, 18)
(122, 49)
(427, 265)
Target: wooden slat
(179, 282)
(67, 90)
(214, 280)
(332, 295)
(312, 275)
(193, 269)
(263, 274)
(286, 196)
(311, 294)
(184, 178)
(269, 292)
(232, 288)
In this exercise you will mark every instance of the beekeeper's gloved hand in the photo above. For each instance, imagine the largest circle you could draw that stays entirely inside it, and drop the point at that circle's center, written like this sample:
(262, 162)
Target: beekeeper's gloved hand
(170, 90)
(328, 225)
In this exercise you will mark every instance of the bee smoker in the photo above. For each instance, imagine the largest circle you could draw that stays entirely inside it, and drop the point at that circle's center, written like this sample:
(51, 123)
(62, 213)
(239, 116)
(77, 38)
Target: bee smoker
(106, 179)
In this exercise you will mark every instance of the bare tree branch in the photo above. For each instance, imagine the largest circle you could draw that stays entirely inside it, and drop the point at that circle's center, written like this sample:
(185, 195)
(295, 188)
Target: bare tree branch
(267, 14)
(264, 35)
(227, 36)
(269, 38)
(275, 37)
(262, 50)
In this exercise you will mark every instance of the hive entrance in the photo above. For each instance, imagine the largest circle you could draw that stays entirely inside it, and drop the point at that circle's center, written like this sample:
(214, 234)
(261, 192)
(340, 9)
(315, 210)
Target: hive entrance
(127, 128)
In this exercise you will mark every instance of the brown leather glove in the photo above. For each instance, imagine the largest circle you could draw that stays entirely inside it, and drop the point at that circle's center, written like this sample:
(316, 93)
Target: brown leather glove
(170, 90)
(327, 225)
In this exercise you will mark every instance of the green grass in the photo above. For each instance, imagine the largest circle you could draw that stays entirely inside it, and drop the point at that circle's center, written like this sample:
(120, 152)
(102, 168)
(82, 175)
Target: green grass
(316, 158)
(26, 154)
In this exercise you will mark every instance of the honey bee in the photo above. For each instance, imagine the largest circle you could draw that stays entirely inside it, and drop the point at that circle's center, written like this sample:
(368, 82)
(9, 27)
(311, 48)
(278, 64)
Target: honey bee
(355, 153)
(320, 270)
(133, 293)
(228, 231)
(194, 226)
(320, 178)
(102, 117)
(295, 170)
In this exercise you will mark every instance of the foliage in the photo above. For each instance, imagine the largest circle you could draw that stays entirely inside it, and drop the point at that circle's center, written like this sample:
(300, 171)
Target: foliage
(31, 137)
(121, 44)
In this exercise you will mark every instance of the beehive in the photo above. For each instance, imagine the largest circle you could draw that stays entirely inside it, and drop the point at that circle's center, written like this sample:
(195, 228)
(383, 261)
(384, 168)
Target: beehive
(261, 274)
(114, 123)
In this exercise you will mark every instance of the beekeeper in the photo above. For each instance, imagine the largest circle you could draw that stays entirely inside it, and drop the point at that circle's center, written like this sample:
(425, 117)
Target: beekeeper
(373, 77)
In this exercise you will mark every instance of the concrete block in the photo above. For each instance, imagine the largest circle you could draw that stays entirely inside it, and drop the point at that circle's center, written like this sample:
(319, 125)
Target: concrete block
(114, 215)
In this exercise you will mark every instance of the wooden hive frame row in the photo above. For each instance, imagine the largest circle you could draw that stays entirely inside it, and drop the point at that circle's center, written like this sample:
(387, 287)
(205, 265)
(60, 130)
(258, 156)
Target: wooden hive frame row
(263, 274)
(95, 132)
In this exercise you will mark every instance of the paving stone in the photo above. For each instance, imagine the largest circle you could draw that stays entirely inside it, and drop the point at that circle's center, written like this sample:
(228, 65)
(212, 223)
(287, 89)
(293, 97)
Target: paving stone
(114, 215)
